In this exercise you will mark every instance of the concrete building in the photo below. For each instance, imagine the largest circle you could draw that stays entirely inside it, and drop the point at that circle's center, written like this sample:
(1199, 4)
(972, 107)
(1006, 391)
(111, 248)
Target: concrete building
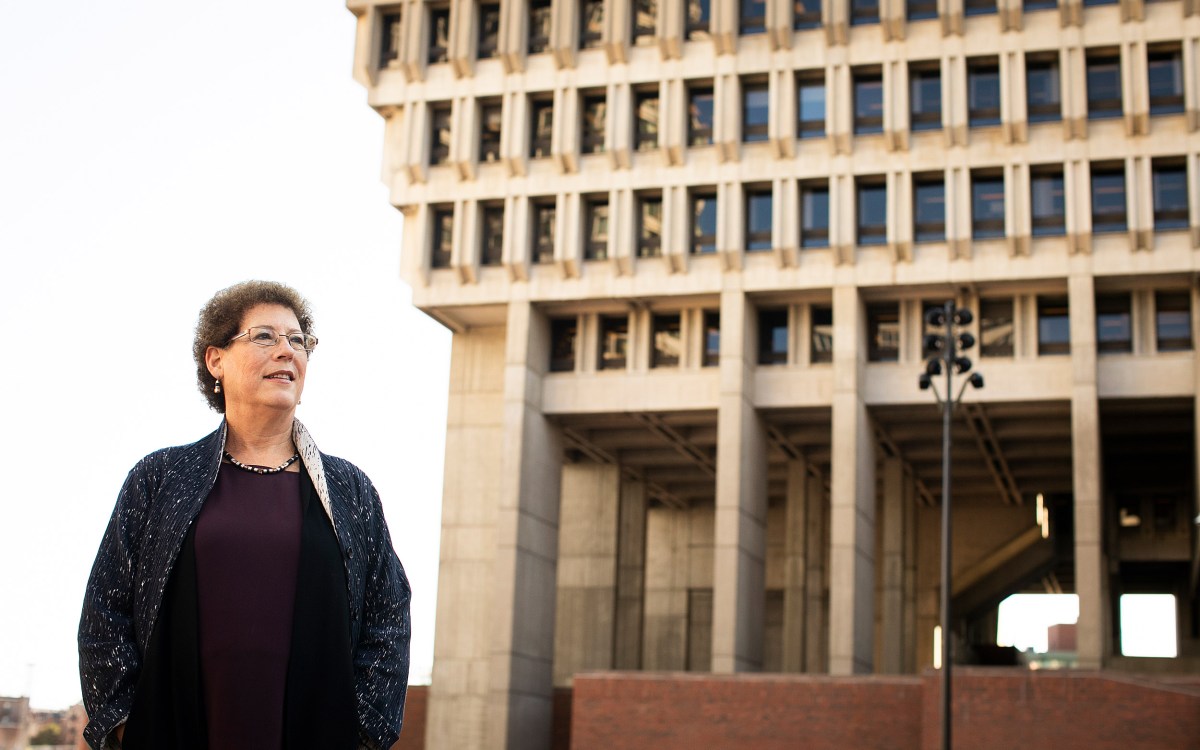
(685, 248)
(14, 723)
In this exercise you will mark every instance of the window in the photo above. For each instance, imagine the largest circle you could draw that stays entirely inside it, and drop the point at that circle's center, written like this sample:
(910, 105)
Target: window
(443, 237)
(1108, 199)
(712, 338)
(752, 17)
(1165, 69)
(872, 213)
(863, 12)
(645, 20)
(758, 219)
(645, 105)
(1054, 326)
(1031, 5)
(704, 224)
(1042, 87)
(1173, 321)
(814, 215)
(868, 103)
(698, 13)
(996, 327)
(1170, 195)
(987, 206)
(543, 232)
(596, 240)
(439, 128)
(489, 31)
(539, 26)
(773, 337)
(1047, 201)
(439, 35)
(541, 119)
(883, 332)
(919, 10)
(493, 236)
(591, 24)
(389, 43)
(978, 7)
(983, 93)
(821, 343)
(700, 116)
(1103, 85)
(649, 226)
(591, 139)
(667, 341)
(489, 131)
(925, 97)
(755, 112)
(614, 339)
(1114, 327)
(1093, 3)
(563, 333)
(929, 208)
(810, 107)
(806, 14)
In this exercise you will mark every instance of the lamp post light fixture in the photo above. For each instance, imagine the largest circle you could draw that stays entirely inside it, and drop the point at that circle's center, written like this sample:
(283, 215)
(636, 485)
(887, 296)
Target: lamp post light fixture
(942, 351)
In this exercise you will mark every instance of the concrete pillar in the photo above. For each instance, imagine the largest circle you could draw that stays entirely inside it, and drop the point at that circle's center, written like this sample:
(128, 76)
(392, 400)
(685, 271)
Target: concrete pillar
(520, 694)
(458, 695)
(739, 554)
(852, 502)
(892, 585)
(664, 640)
(910, 576)
(816, 558)
(795, 573)
(631, 576)
(1090, 571)
(586, 599)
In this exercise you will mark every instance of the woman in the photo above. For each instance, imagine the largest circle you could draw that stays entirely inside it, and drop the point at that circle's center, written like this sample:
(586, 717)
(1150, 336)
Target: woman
(246, 593)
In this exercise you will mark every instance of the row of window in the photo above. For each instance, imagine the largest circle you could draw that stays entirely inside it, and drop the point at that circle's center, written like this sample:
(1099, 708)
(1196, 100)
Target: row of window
(643, 22)
(1043, 89)
(987, 196)
(1114, 331)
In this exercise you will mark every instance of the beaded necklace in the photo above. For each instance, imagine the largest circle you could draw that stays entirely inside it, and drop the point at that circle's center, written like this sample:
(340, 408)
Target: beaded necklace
(261, 469)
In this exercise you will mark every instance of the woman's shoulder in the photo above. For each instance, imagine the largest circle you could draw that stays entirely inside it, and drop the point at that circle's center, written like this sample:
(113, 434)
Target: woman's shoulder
(175, 457)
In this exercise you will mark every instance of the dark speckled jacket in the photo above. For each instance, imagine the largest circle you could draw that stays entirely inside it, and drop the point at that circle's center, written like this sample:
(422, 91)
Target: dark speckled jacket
(158, 503)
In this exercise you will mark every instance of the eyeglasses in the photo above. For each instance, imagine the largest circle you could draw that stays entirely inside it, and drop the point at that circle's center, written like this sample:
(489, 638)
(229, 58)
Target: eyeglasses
(266, 336)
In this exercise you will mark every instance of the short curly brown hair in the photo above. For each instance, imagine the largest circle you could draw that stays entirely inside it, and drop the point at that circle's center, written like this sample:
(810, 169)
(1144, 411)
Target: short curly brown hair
(221, 318)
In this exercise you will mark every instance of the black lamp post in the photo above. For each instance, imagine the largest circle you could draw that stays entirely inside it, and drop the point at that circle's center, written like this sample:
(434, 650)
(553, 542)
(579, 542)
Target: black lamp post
(942, 353)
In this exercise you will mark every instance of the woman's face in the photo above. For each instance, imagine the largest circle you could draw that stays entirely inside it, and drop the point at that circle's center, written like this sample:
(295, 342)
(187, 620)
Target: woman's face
(254, 376)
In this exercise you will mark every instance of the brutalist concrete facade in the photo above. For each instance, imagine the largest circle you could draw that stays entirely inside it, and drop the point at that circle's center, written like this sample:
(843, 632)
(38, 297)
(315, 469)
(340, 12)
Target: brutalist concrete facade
(685, 247)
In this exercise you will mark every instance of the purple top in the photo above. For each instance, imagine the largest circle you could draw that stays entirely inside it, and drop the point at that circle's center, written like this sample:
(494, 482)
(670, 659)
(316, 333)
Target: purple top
(247, 556)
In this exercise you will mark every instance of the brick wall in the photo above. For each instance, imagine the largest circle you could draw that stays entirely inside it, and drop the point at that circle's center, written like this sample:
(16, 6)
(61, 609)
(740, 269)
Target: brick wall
(760, 712)
(994, 709)
(412, 734)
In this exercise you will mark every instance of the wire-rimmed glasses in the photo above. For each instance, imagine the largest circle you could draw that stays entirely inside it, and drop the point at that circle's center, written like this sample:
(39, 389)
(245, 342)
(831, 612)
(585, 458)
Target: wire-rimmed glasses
(266, 336)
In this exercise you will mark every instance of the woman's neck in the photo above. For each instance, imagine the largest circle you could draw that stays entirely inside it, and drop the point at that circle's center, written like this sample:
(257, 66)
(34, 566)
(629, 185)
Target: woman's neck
(263, 443)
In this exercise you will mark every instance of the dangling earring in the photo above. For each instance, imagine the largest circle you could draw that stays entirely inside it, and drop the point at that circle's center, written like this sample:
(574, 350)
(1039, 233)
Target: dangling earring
(217, 387)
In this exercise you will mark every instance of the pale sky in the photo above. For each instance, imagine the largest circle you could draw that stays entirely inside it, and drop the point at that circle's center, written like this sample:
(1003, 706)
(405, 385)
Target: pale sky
(152, 153)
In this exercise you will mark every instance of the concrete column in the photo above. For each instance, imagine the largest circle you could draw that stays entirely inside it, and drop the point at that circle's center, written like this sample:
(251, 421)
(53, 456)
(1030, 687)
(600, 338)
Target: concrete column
(795, 573)
(892, 599)
(816, 556)
(458, 695)
(631, 576)
(664, 642)
(910, 575)
(739, 555)
(520, 693)
(852, 502)
(585, 607)
(1090, 571)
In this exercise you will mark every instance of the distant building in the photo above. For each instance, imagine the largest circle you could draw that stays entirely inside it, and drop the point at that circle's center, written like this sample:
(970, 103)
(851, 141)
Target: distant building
(14, 723)
(686, 249)
(1061, 637)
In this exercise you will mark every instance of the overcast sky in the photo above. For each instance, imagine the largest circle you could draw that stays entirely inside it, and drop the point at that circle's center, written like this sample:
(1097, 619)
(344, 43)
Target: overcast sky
(152, 153)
